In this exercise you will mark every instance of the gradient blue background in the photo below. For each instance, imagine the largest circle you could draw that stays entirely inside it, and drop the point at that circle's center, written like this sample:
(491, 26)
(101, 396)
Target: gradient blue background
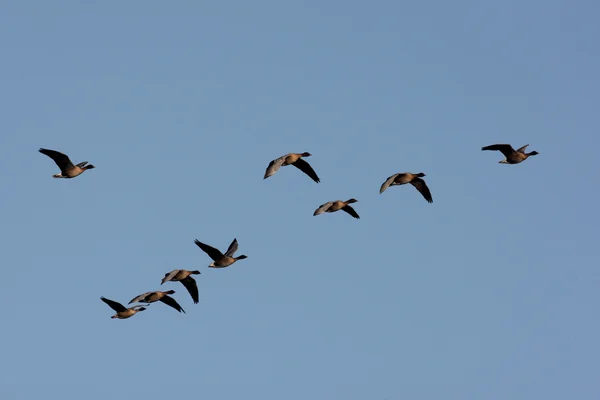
(491, 292)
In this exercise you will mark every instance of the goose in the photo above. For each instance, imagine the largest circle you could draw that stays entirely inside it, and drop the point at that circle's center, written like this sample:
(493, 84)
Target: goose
(184, 276)
(512, 156)
(221, 260)
(403, 178)
(122, 311)
(294, 159)
(151, 297)
(67, 169)
(337, 205)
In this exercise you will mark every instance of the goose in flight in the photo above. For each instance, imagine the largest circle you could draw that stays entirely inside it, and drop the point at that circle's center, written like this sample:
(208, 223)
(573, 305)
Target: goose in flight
(221, 260)
(512, 156)
(407, 177)
(122, 311)
(333, 206)
(184, 276)
(151, 297)
(67, 169)
(294, 159)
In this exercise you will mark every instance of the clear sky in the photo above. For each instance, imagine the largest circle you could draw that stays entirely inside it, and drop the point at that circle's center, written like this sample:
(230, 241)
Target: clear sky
(491, 292)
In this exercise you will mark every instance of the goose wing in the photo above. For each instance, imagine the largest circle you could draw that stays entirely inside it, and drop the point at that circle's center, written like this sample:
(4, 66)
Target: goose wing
(522, 149)
(505, 149)
(213, 253)
(387, 183)
(168, 300)
(118, 307)
(307, 169)
(192, 288)
(232, 248)
(62, 160)
(323, 208)
(274, 166)
(351, 211)
(421, 186)
(140, 298)
(169, 276)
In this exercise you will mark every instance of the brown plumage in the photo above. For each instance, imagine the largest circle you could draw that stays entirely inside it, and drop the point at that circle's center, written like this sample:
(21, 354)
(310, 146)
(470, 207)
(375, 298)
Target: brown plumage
(67, 169)
(407, 177)
(294, 159)
(512, 156)
(333, 206)
(122, 311)
(221, 260)
(184, 276)
(151, 297)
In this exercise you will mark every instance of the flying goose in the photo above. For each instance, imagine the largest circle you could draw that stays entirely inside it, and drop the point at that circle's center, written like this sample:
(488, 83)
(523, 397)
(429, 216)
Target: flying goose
(294, 159)
(122, 311)
(221, 260)
(406, 177)
(67, 169)
(337, 205)
(184, 276)
(151, 297)
(512, 156)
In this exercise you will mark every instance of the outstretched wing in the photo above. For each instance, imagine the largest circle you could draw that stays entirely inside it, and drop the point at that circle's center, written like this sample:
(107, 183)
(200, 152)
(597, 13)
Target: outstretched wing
(274, 166)
(211, 251)
(140, 298)
(422, 188)
(323, 208)
(522, 149)
(505, 149)
(192, 288)
(350, 211)
(118, 307)
(387, 183)
(171, 302)
(307, 169)
(232, 248)
(169, 276)
(62, 160)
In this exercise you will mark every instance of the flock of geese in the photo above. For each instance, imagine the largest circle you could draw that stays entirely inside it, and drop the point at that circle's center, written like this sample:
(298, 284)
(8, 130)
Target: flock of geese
(221, 260)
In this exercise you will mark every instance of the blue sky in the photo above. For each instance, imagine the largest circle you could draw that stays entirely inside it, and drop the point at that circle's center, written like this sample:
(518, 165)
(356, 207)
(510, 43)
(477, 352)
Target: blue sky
(491, 292)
